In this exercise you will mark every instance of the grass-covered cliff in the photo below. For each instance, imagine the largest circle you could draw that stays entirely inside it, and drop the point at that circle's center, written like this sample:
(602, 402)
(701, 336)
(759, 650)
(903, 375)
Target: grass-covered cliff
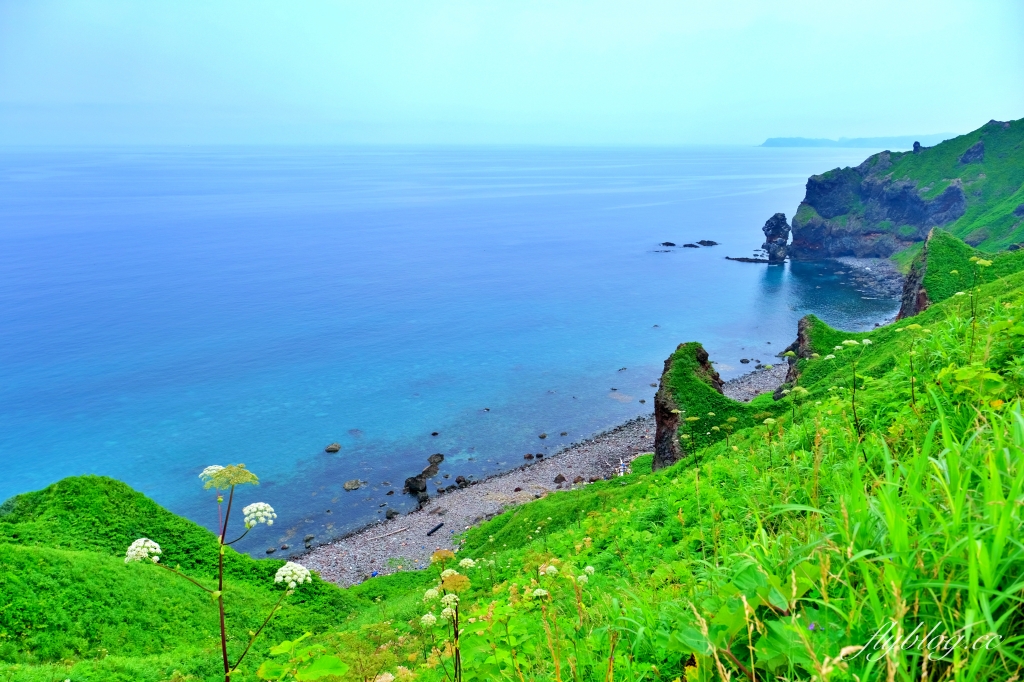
(971, 186)
(882, 495)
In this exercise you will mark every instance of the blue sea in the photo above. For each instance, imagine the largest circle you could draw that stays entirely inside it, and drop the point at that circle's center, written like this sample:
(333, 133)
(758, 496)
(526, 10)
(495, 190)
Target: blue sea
(166, 309)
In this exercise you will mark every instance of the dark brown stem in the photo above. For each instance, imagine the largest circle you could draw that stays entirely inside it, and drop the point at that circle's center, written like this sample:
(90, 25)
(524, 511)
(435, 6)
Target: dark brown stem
(736, 662)
(253, 638)
(207, 589)
(220, 588)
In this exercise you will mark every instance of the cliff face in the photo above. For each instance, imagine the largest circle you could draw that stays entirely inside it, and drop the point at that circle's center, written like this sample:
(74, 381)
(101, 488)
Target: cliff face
(689, 377)
(969, 185)
(864, 212)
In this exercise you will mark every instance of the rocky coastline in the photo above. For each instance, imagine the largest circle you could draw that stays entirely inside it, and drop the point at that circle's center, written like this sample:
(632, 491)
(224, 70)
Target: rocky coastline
(406, 542)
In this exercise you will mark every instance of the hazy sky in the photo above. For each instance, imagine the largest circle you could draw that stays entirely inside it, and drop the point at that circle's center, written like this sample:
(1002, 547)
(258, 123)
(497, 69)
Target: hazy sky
(504, 71)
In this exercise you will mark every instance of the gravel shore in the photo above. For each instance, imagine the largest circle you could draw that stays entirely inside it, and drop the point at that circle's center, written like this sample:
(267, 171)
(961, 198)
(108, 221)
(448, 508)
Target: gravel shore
(402, 543)
(747, 387)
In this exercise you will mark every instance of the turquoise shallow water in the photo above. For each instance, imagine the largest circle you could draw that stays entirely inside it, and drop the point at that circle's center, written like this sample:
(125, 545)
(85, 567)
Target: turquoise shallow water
(166, 309)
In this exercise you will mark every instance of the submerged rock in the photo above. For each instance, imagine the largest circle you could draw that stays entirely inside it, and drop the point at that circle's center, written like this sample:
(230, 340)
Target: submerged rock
(353, 484)
(333, 447)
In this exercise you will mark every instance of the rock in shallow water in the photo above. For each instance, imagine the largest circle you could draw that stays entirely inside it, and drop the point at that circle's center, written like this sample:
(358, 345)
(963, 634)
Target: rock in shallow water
(352, 485)
(333, 447)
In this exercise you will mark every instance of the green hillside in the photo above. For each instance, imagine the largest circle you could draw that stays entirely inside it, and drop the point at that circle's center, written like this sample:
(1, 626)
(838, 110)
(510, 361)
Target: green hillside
(971, 186)
(884, 492)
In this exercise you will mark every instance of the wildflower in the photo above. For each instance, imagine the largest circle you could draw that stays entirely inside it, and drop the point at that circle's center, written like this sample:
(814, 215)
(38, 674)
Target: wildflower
(735, 448)
(711, 414)
(815, 356)
(467, 563)
(259, 512)
(210, 471)
(850, 342)
(141, 550)
(715, 428)
(551, 570)
(430, 595)
(837, 348)
(384, 677)
(226, 477)
(447, 572)
(954, 272)
(789, 354)
(732, 420)
(589, 570)
(830, 357)
(582, 579)
(450, 600)
(867, 342)
(817, 402)
(448, 613)
(769, 422)
(442, 555)
(455, 583)
(959, 293)
(540, 592)
(692, 419)
(293, 574)
(404, 673)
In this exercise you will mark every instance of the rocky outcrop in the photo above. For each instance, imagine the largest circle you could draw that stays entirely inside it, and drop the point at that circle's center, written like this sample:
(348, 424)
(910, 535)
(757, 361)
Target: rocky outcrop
(667, 448)
(776, 236)
(417, 485)
(974, 154)
(914, 298)
(801, 349)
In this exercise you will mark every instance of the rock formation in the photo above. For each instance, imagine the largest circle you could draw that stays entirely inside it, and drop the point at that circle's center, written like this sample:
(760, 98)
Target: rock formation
(667, 448)
(974, 154)
(776, 236)
(852, 212)
(914, 298)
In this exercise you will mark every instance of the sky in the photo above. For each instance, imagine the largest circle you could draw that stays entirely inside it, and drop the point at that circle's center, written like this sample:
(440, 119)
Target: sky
(503, 71)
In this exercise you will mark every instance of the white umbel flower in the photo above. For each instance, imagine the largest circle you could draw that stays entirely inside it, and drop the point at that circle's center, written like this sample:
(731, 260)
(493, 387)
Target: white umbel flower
(430, 595)
(259, 512)
(467, 563)
(850, 342)
(428, 620)
(450, 600)
(589, 570)
(447, 572)
(540, 592)
(582, 579)
(209, 471)
(143, 549)
(448, 613)
(867, 342)
(551, 570)
(830, 357)
(293, 574)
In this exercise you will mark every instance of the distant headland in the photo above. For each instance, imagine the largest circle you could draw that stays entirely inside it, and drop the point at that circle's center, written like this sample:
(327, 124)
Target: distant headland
(897, 142)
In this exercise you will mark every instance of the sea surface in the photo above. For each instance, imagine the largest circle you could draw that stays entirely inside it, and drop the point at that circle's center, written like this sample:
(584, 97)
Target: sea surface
(166, 309)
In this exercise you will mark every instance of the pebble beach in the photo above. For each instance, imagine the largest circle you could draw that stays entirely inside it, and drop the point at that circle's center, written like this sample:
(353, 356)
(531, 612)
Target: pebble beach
(402, 543)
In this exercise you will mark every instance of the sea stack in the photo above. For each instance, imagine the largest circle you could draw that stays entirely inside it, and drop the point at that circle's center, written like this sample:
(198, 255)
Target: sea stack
(776, 234)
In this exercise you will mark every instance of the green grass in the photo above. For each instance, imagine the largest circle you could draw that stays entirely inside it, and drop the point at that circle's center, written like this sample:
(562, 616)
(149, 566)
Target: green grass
(768, 553)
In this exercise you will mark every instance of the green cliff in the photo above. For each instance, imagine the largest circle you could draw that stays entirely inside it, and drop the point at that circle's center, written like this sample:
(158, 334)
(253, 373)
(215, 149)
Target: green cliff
(971, 186)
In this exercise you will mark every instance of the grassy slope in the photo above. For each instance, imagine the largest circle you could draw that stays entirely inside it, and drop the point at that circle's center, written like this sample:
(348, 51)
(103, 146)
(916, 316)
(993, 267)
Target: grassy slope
(68, 595)
(826, 536)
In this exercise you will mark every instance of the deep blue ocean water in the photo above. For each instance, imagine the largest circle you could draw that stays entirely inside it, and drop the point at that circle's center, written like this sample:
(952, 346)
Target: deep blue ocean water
(166, 309)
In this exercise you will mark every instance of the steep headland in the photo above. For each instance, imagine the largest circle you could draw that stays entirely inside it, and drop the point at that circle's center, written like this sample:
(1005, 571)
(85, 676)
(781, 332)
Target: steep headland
(971, 185)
